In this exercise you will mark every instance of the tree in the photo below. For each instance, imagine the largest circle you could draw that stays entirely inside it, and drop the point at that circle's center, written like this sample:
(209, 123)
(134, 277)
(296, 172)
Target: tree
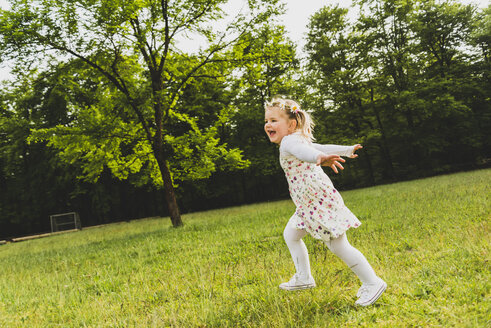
(481, 35)
(408, 77)
(270, 67)
(32, 180)
(481, 76)
(129, 51)
(441, 30)
(272, 73)
(446, 87)
(342, 83)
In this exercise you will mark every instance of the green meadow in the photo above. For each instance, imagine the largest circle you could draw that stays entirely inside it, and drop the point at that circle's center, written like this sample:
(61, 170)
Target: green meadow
(428, 239)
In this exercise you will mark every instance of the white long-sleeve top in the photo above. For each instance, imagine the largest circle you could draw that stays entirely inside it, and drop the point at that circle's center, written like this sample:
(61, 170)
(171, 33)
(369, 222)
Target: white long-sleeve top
(296, 145)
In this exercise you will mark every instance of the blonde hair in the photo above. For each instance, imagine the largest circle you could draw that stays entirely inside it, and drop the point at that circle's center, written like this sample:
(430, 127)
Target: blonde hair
(305, 124)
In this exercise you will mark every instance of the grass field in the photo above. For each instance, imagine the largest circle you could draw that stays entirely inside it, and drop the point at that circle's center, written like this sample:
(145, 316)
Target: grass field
(429, 239)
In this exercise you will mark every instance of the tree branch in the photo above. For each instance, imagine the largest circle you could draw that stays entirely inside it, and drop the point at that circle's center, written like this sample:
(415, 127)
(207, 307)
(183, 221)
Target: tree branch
(205, 61)
(149, 58)
(113, 79)
(164, 4)
(186, 23)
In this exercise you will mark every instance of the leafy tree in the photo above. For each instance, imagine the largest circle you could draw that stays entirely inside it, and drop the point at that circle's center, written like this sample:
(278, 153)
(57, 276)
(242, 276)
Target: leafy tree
(481, 34)
(129, 51)
(342, 85)
(407, 78)
(34, 183)
(32, 180)
(270, 67)
(447, 125)
(387, 27)
(479, 97)
(441, 30)
(270, 70)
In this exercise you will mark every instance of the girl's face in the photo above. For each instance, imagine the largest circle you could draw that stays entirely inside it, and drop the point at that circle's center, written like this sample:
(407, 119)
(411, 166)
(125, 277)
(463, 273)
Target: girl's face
(277, 124)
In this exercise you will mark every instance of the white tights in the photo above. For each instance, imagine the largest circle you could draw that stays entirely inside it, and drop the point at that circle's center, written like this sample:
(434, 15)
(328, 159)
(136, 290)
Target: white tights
(339, 246)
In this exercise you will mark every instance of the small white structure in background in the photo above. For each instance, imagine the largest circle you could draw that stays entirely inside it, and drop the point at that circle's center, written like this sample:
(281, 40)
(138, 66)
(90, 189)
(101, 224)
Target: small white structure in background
(65, 221)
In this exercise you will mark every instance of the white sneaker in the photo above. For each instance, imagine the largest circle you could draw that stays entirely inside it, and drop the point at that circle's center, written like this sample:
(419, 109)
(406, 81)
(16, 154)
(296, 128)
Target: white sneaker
(296, 283)
(369, 293)
(363, 286)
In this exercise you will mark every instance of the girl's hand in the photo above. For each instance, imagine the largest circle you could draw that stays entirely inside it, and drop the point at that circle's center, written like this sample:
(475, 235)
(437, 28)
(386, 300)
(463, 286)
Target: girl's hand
(331, 161)
(357, 146)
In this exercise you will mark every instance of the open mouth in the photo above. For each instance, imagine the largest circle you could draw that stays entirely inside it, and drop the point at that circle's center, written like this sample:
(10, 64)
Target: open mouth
(271, 133)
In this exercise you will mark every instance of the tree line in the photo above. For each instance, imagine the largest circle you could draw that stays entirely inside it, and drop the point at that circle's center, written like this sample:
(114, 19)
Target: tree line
(106, 115)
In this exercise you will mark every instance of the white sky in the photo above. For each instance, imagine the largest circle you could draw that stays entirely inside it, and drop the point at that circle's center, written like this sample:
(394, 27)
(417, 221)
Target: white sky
(296, 19)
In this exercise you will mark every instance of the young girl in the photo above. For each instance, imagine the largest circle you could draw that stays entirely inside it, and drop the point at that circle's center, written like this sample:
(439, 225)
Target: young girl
(320, 209)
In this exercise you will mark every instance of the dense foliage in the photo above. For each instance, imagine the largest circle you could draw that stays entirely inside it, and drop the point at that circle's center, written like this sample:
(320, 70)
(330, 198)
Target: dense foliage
(410, 80)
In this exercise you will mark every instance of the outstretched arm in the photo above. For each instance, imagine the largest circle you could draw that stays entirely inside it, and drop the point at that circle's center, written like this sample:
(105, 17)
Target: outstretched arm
(333, 161)
(348, 151)
(306, 152)
(299, 148)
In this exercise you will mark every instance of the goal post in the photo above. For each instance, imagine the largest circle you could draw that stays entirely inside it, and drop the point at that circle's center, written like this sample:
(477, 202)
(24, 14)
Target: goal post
(65, 221)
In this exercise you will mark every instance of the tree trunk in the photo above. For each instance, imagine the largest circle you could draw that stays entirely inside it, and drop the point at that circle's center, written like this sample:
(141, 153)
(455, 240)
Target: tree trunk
(170, 197)
(158, 149)
(371, 177)
(384, 145)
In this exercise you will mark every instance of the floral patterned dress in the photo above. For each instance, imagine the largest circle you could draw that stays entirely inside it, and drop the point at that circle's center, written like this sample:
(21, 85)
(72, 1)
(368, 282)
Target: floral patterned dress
(320, 208)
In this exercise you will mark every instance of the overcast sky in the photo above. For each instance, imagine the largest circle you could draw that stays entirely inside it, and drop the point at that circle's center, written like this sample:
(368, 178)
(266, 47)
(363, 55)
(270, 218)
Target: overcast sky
(295, 19)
